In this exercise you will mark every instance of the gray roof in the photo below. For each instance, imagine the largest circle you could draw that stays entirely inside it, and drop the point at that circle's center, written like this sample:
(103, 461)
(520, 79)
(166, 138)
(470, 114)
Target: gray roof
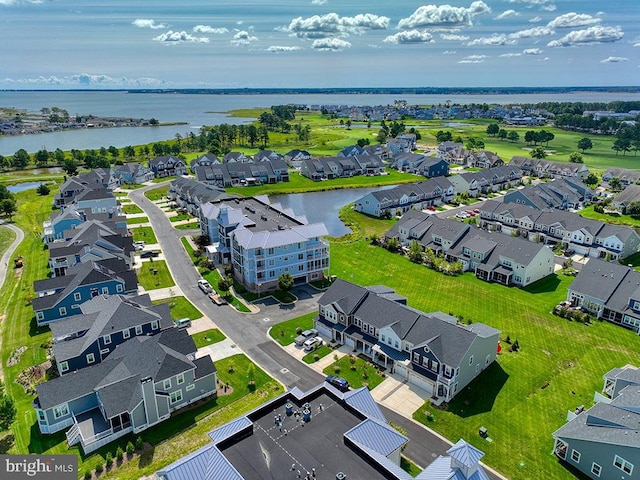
(600, 279)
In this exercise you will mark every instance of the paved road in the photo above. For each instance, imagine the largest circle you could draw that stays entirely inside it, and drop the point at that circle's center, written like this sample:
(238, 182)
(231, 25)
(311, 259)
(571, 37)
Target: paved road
(249, 331)
(6, 256)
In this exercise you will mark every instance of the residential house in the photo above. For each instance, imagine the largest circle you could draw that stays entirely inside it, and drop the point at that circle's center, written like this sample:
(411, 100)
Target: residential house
(60, 221)
(609, 291)
(626, 176)
(563, 194)
(89, 242)
(263, 241)
(267, 155)
(584, 236)
(492, 257)
(604, 441)
(486, 181)
(327, 168)
(265, 171)
(167, 166)
(398, 146)
(549, 168)
(99, 200)
(429, 350)
(133, 173)
(420, 164)
(69, 189)
(295, 157)
(352, 151)
(240, 157)
(401, 198)
(103, 323)
(486, 159)
(205, 160)
(126, 392)
(62, 296)
(629, 195)
(190, 194)
(101, 178)
(380, 150)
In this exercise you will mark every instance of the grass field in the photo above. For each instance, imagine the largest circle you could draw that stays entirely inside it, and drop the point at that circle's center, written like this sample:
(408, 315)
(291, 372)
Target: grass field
(208, 337)
(320, 352)
(144, 234)
(615, 218)
(136, 220)
(189, 249)
(355, 371)
(6, 238)
(154, 275)
(180, 307)
(285, 332)
(131, 208)
(157, 193)
(188, 226)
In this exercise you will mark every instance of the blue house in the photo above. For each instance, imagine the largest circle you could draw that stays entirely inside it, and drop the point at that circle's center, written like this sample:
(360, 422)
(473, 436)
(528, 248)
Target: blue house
(61, 297)
(104, 323)
(71, 217)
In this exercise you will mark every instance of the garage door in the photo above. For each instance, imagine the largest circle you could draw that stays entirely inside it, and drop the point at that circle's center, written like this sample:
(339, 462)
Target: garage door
(322, 329)
(400, 369)
(421, 382)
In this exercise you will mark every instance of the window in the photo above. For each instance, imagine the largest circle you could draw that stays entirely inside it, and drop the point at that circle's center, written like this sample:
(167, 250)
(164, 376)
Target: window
(623, 465)
(104, 351)
(154, 325)
(39, 316)
(300, 256)
(41, 416)
(63, 310)
(180, 379)
(126, 333)
(91, 357)
(176, 396)
(596, 469)
(75, 306)
(471, 360)
(105, 290)
(61, 411)
(487, 360)
(106, 339)
(190, 387)
(77, 297)
(119, 288)
(416, 357)
(138, 329)
(575, 456)
(167, 384)
(64, 366)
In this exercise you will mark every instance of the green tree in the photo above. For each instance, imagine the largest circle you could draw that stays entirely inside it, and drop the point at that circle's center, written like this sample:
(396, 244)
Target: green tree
(285, 281)
(513, 136)
(114, 152)
(538, 152)
(58, 156)
(473, 143)
(70, 166)
(502, 134)
(7, 411)
(225, 283)
(5, 162)
(382, 136)
(129, 151)
(348, 124)
(591, 180)
(585, 144)
(41, 157)
(615, 184)
(443, 136)
(575, 157)
(43, 189)
(8, 207)
(633, 209)
(21, 159)
(622, 145)
(493, 129)
(415, 252)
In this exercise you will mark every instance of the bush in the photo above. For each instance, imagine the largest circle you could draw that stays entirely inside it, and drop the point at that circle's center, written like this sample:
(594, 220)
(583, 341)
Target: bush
(109, 460)
(87, 475)
(99, 467)
(298, 330)
(119, 453)
(139, 443)
(130, 448)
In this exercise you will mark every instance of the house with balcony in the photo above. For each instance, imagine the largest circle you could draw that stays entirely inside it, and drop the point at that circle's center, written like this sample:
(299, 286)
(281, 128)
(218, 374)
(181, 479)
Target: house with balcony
(487, 159)
(486, 181)
(90, 241)
(132, 173)
(263, 240)
(167, 166)
(626, 176)
(125, 393)
(609, 291)
(60, 222)
(103, 323)
(295, 157)
(604, 441)
(69, 189)
(430, 350)
(549, 168)
(420, 164)
(205, 160)
(62, 296)
(190, 194)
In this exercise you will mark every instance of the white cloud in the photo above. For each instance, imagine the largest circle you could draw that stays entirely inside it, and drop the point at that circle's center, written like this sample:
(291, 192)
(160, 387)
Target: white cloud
(473, 59)
(535, 19)
(454, 37)
(148, 23)
(532, 51)
(282, 48)
(16, 2)
(449, 52)
(332, 25)
(179, 37)
(243, 38)
(410, 36)
(549, 8)
(532, 2)
(591, 35)
(87, 80)
(539, 31)
(507, 14)
(318, 2)
(444, 15)
(210, 29)
(636, 44)
(614, 60)
(509, 55)
(494, 39)
(332, 44)
(573, 19)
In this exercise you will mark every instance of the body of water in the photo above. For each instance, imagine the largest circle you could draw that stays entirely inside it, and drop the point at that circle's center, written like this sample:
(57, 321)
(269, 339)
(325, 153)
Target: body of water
(21, 187)
(209, 109)
(324, 206)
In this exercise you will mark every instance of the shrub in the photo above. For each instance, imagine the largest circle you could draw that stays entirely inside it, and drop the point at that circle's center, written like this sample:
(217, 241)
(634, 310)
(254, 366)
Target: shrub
(87, 475)
(298, 330)
(316, 357)
(109, 460)
(139, 443)
(99, 467)
(130, 448)
(119, 453)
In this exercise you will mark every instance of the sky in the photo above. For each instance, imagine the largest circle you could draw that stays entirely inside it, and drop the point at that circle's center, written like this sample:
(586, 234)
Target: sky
(103, 44)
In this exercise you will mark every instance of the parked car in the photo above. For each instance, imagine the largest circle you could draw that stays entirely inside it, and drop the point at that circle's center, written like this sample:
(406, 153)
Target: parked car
(183, 323)
(205, 286)
(300, 339)
(149, 254)
(312, 343)
(338, 382)
(432, 208)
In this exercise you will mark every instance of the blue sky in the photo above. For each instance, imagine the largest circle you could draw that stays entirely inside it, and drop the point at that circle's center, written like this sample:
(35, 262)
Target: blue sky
(317, 43)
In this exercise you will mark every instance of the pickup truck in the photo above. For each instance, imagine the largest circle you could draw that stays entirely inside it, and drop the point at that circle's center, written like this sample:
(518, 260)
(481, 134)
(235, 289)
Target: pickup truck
(217, 299)
(205, 286)
(304, 336)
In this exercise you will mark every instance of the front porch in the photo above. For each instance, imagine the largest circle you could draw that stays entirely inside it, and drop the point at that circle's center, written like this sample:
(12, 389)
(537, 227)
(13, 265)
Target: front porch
(92, 431)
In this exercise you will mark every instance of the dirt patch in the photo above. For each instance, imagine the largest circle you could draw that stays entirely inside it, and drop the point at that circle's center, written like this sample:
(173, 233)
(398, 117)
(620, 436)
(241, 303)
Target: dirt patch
(15, 356)
(546, 353)
(224, 389)
(33, 376)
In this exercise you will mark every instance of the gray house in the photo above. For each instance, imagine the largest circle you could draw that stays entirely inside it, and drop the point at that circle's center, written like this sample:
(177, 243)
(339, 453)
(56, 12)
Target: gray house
(603, 441)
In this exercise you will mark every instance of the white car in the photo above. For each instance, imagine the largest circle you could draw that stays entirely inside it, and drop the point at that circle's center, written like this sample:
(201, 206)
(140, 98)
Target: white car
(312, 343)
(205, 286)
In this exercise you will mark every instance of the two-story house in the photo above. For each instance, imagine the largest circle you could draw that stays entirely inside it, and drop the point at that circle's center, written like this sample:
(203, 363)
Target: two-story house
(62, 221)
(430, 350)
(132, 173)
(139, 385)
(167, 166)
(62, 296)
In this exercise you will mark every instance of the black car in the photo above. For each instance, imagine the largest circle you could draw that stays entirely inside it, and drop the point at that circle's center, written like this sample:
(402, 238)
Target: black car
(338, 382)
(149, 254)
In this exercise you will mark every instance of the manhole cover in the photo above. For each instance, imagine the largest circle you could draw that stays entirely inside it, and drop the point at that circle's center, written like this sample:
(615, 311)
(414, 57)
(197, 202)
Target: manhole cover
(284, 370)
(266, 319)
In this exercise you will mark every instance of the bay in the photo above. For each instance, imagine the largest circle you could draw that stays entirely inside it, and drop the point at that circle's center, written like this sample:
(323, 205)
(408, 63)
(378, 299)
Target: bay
(209, 109)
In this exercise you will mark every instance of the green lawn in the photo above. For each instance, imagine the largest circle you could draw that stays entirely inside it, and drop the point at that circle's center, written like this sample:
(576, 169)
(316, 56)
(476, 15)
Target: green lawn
(212, 276)
(188, 226)
(154, 275)
(208, 337)
(180, 308)
(131, 208)
(180, 216)
(615, 218)
(144, 234)
(321, 352)
(158, 193)
(135, 220)
(189, 249)
(356, 371)
(7, 236)
(285, 332)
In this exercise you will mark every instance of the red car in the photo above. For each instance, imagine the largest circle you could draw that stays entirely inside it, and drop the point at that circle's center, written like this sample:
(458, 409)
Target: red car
(432, 208)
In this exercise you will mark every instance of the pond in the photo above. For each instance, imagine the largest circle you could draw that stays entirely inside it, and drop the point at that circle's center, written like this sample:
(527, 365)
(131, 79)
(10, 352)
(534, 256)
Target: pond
(324, 206)
(21, 187)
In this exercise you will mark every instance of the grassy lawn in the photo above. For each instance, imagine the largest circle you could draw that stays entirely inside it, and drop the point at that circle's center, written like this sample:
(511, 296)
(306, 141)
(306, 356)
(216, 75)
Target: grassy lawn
(615, 218)
(157, 193)
(180, 308)
(135, 220)
(212, 276)
(321, 352)
(188, 226)
(154, 275)
(180, 216)
(285, 332)
(208, 337)
(356, 371)
(189, 249)
(131, 208)
(144, 234)
(7, 236)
